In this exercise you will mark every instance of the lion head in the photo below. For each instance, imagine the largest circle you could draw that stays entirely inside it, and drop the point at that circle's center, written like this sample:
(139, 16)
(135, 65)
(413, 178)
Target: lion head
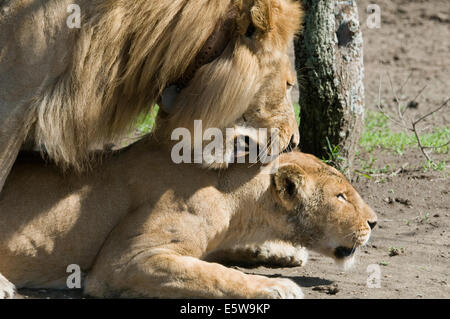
(323, 210)
(217, 59)
(247, 87)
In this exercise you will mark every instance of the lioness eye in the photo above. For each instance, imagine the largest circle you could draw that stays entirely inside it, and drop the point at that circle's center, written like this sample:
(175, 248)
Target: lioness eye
(342, 197)
(289, 84)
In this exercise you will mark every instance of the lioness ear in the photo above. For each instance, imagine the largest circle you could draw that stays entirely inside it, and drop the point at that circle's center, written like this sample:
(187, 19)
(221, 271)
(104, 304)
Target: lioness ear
(287, 184)
(261, 15)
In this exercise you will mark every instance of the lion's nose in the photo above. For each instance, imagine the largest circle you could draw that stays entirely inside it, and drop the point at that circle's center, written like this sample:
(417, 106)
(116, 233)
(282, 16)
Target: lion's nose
(372, 224)
(293, 143)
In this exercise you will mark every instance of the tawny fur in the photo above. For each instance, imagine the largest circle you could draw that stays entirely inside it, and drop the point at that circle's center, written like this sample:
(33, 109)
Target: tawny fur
(144, 227)
(79, 88)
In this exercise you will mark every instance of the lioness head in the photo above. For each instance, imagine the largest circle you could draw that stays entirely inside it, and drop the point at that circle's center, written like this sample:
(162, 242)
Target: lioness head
(323, 211)
(248, 84)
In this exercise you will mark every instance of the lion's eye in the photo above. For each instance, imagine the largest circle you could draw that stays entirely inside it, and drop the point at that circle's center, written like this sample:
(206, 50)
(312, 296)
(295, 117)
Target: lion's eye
(342, 197)
(289, 84)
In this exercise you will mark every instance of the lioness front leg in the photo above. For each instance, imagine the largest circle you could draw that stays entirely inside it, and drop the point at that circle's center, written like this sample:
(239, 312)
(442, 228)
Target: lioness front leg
(269, 253)
(174, 276)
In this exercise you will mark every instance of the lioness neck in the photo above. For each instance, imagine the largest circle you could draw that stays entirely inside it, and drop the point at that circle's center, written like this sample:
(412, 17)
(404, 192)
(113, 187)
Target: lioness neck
(246, 186)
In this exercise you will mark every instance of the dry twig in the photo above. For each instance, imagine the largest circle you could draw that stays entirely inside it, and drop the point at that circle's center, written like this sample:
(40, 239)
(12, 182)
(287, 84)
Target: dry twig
(401, 122)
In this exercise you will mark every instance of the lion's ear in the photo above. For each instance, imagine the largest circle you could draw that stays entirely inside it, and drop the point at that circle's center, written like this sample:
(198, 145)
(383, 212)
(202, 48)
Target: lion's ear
(288, 185)
(261, 15)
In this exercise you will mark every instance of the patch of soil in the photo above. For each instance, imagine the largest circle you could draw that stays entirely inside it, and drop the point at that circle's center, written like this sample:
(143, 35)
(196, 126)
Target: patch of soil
(411, 244)
(413, 37)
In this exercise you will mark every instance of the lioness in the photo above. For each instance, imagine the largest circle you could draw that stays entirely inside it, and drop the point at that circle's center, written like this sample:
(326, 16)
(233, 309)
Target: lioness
(74, 75)
(145, 227)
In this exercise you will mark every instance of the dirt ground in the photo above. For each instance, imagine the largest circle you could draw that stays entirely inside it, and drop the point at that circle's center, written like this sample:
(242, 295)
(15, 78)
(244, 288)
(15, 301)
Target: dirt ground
(414, 206)
(411, 244)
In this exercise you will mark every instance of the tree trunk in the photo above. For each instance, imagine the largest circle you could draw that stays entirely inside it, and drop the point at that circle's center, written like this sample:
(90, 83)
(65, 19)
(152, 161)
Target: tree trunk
(329, 63)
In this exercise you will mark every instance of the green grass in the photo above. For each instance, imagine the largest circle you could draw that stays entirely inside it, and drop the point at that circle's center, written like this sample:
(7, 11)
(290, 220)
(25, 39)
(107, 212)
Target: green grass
(378, 134)
(146, 121)
(437, 166)
(335, 157)
(297, 113)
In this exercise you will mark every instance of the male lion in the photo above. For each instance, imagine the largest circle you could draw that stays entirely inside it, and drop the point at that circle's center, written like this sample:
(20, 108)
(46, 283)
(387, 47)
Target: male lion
(68, 90)
(146, 227)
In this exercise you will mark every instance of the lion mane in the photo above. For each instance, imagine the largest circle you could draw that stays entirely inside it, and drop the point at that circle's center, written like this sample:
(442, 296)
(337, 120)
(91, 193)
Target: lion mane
(127, 52)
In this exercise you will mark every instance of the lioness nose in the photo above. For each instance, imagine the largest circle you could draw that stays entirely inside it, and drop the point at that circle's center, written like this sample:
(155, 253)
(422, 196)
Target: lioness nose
(372, 224)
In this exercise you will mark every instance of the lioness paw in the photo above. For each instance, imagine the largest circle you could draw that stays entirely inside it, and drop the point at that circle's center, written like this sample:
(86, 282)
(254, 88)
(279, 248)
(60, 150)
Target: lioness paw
(282, 288)
(279, 254)
(286, 256)
(7, 289)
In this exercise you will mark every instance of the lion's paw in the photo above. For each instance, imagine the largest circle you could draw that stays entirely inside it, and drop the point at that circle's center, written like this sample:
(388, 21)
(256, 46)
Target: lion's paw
(282, 288)
(281, 255)
(7, 289)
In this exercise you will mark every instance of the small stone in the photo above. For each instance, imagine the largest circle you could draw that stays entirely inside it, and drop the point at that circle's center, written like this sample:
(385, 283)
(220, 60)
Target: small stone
(329, 290)
(440, 17)
(393, 251)
(403, 201)
(413, 105)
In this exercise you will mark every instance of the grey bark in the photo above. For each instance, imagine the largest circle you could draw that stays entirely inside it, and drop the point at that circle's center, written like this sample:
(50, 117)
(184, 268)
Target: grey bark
(329, 63)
